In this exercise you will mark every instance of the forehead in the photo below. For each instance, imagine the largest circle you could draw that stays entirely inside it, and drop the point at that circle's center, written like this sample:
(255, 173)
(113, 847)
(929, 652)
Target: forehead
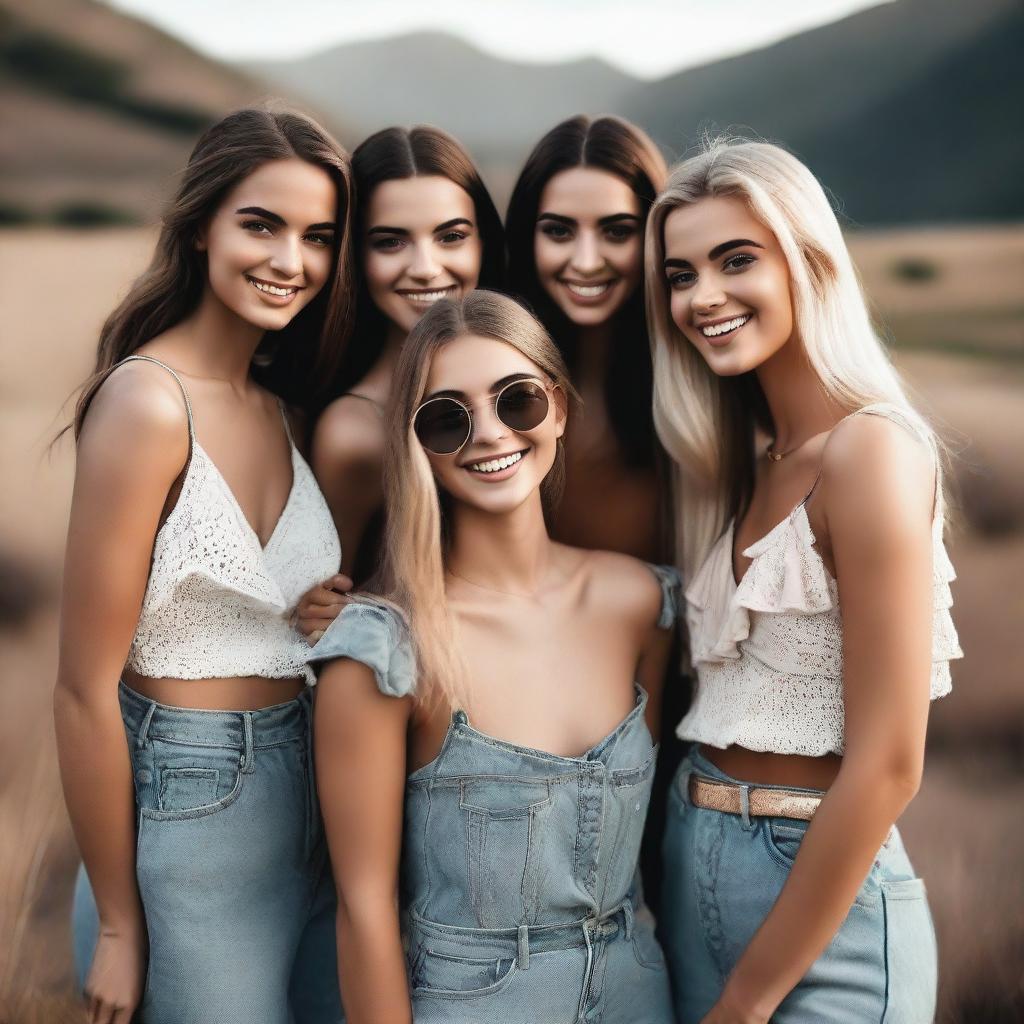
(471, 364)
(300, 192)
(694, 229)
(587, 193)
(418, 203)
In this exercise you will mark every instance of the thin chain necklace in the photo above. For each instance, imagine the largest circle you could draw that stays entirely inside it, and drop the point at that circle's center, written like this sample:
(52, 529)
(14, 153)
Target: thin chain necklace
(493, 590)
(779, 456)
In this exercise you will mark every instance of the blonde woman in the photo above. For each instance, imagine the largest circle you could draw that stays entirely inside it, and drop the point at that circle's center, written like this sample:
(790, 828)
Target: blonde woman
(504, 692)
(810, 507)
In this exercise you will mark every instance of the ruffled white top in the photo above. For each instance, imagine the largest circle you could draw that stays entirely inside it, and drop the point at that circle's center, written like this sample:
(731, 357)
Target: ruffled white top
(768, 652)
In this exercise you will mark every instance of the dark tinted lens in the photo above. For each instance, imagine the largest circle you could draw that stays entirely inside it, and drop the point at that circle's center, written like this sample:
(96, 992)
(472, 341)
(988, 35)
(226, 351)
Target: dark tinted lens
(523, 405)
(442, 426)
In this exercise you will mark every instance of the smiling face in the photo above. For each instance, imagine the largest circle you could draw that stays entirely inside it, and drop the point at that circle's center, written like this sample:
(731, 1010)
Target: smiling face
(729, 284)
(588, 244)
(498, 468)
(421, 244)
(269, 246)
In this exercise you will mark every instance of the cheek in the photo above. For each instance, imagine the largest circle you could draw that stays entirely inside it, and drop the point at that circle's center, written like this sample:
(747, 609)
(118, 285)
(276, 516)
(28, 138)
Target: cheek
(549, 257)
(627, 258)
(464, 264)
(379, 273)
(318, 267)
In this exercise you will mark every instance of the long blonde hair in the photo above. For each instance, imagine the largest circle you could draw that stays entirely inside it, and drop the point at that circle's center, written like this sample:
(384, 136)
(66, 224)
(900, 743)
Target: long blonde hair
(706, 422)
(412, 574)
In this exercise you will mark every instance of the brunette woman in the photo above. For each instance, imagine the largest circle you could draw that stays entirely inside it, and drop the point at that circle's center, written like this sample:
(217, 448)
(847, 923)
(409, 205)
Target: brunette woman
(195, 527)
(497, 698)
(818, 605)
(425, 229)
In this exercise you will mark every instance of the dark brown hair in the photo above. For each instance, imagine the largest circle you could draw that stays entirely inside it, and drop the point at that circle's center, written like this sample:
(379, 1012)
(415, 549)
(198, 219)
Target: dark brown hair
(394, 154)
(295, 362)
(614, 145)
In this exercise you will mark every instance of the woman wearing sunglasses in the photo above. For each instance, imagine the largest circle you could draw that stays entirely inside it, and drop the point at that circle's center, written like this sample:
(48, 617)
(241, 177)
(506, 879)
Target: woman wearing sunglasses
(425, 229)
(502, 689)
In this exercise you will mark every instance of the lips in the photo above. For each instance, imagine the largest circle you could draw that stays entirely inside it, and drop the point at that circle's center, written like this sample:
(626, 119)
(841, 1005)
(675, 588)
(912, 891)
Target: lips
(427, 296)
(717, 331)
(279, 292)
(498, 467)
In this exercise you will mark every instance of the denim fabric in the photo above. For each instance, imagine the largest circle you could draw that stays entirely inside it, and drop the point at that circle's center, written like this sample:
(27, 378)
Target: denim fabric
(722, 877)
(518, 876)
(232, 867)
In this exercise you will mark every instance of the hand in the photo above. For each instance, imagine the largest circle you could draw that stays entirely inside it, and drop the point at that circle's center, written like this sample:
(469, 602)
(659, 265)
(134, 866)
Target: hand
(113, 987)
(320, 606)
(729, 1010)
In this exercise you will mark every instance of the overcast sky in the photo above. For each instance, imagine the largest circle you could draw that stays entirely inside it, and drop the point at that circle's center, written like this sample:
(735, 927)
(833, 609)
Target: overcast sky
(648, 38)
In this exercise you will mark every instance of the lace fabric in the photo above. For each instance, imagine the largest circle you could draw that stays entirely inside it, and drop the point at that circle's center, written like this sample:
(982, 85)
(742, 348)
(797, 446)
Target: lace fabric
(768, 651)
(218, 603)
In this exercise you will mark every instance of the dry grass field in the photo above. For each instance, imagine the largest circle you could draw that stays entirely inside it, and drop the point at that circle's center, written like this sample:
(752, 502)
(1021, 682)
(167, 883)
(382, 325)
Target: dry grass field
(952, 301)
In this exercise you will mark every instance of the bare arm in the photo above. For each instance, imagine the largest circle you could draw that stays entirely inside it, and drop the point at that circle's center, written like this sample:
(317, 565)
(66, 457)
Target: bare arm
(133, 445)
(360, 741)
(877, 488)
(348, 446)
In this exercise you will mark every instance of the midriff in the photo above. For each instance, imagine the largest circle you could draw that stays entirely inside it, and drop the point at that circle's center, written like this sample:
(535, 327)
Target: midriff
(239, 693)
(756, 766)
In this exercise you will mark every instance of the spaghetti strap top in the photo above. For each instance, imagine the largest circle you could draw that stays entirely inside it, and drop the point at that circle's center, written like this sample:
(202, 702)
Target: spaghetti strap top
(218, 602)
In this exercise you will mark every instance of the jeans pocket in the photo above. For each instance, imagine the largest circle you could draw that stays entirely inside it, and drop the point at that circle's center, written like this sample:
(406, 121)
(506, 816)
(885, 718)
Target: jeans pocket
(175, 781)
(646, 947)
(783, 838)
(910, 953)
(455, 977)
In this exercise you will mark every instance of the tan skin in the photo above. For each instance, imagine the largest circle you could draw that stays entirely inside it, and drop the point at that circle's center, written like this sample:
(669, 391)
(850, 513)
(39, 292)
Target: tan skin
(589, 239)
(871, 512)
(528, 611)
(421, 243)
(132, 454)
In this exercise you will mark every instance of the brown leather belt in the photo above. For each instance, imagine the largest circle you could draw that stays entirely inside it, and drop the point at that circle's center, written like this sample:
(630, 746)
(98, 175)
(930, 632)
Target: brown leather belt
(761, 803)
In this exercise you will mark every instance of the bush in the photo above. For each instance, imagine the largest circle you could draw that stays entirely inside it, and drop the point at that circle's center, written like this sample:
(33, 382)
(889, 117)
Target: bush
(89, 214)
(914, 270)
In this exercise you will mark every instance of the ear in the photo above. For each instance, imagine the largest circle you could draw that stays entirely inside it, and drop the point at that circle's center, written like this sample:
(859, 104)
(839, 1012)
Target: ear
(561, 410)
(199, 244)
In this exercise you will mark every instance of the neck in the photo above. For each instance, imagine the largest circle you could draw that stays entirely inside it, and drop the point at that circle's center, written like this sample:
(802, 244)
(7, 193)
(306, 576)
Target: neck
(220, 344)
(799, 404)
(593, 353)
(508, 553)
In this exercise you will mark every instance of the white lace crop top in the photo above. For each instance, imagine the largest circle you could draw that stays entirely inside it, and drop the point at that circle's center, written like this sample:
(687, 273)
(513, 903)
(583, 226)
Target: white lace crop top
(768, 652)
(218, 603)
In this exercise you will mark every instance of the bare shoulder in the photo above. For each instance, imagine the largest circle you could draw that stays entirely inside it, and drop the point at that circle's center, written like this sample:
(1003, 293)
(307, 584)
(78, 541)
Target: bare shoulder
(138, 410)
(877, 475)
(349, 432)
(623, 585)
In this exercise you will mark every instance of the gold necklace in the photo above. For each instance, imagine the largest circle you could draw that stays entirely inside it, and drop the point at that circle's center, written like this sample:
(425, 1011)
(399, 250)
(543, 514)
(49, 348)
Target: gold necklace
(492, 590)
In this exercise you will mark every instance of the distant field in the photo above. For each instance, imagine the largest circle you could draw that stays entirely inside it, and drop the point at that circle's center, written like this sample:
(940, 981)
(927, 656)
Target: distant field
(965, 831)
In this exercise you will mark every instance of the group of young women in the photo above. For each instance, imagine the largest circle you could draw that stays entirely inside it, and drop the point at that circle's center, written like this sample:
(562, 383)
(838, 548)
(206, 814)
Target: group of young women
(531, 440)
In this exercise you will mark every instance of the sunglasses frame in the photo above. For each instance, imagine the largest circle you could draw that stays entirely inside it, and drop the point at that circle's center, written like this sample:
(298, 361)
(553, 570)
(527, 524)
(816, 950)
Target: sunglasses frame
(547, 386)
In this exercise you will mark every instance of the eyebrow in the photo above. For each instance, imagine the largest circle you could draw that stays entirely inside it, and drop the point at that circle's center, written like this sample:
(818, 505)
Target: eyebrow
(275, 218)
(383, 229)
(718, 250)
(613, 218)
(495, 387)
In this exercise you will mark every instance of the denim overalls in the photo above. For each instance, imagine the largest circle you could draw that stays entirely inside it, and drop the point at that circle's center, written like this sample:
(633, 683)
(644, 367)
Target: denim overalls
(519, 866)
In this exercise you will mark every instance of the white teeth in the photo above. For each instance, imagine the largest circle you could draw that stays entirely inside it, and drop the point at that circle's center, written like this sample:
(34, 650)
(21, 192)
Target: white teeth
(730, 325)
(429, 297)
(496, 464)
(272, 289)
(588, 291)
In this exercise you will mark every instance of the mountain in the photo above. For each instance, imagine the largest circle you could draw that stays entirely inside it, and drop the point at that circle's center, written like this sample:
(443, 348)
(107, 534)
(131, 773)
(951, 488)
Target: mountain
(100, 111)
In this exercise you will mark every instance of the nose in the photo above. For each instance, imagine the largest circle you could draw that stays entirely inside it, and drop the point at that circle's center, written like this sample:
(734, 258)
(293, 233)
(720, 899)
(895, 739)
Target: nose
(424, 266)
(287, 256)
(707, 296)
(487, 428)
(586, 255)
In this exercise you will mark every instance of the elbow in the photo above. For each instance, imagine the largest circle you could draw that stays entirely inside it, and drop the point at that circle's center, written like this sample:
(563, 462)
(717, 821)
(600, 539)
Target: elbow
(893, 780)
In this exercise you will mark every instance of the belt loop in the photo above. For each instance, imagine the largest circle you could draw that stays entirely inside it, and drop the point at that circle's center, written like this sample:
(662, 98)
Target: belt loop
(683, 782)
(524, 948)
(248, 751)
(144, 728)
(745, 807)
(627, 916)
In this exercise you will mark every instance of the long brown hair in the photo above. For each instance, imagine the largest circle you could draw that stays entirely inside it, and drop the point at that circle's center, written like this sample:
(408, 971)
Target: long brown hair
(394, 154)
(622, 149)
(413, 568)
(296, 362)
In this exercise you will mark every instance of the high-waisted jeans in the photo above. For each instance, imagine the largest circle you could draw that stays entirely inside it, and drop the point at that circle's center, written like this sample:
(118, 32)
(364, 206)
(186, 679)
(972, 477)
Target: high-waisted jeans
(723, 873)
(232, 867)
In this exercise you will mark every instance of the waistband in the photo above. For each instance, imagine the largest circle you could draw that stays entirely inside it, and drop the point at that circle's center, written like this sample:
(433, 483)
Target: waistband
(526, 939)
(695, 763)
(146, 719)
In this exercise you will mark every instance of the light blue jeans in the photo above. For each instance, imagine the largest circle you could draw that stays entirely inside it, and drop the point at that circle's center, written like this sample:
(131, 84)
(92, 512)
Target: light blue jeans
(723, 874)
(232, 868)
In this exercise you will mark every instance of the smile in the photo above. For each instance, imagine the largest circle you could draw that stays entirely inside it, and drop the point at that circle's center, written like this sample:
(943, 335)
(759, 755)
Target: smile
(726, 327)
(281, 291)
(428, 298)
(588, 291)
(496, 465)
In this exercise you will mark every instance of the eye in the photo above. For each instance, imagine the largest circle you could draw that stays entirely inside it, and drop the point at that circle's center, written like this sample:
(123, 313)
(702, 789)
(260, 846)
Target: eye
(681, 279)
(453, 237)
(257, 227)
(740, 261)
(391, 244)
(619, 232)
(319, 238)
(555, 231)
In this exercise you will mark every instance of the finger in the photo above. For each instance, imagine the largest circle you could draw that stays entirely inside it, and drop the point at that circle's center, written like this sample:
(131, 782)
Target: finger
(313, 637)
(323, 611)
(124, 1015)
(341, 583)
(320, 596)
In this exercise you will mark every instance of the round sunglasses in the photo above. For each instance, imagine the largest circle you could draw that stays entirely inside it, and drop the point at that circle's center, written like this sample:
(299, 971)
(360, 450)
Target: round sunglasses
(445, 425)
